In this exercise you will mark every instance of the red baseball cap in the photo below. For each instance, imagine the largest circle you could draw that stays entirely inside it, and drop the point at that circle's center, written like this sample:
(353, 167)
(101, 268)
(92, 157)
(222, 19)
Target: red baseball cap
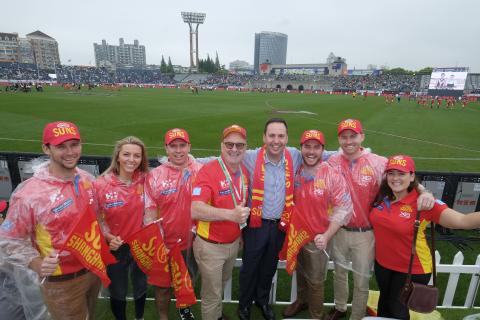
(312, 135)
(3, 205)
(176, 133)
(401, 163)
(58, 132)
(235, 128)
(350, 124)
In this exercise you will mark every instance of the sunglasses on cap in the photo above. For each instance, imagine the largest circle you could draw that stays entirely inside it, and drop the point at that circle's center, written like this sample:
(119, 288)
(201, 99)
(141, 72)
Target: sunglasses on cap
(238, 145)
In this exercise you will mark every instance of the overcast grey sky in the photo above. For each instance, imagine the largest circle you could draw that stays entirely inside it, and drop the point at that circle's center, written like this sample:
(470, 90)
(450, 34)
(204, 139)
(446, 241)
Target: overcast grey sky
(409, 34)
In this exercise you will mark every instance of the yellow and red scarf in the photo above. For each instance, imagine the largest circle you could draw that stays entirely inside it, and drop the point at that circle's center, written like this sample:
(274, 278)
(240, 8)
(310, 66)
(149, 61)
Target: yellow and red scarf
(259, 186)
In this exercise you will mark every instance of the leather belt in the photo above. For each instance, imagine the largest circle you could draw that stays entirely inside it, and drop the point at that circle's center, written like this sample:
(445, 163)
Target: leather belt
(65, 277)
(270, 220)
(358, 229)
(213, 241)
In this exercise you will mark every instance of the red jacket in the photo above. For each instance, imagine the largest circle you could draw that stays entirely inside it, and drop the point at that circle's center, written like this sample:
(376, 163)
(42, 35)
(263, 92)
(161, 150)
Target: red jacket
(43, 210)
(121, 206)
(168, 190)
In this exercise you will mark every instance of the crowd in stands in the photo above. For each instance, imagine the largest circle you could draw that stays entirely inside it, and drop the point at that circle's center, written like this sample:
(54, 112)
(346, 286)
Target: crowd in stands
(143, 76)
(388, 82)
(244, 80)
(228, 80)
(302, 77)
(92, 75)
(22, 72)
(82, 74)
(79, 74)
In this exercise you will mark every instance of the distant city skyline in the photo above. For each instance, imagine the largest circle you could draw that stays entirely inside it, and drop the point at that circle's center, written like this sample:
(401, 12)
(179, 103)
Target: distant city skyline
(408, 34)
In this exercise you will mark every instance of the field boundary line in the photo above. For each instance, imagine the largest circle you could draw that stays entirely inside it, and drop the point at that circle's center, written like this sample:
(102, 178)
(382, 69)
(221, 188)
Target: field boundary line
(401, 137)
(99, 144)
(267, 103)
(216, 150)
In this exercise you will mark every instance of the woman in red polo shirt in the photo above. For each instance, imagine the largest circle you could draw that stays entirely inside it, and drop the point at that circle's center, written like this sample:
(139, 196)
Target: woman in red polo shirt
(121, 203)
(392, 218)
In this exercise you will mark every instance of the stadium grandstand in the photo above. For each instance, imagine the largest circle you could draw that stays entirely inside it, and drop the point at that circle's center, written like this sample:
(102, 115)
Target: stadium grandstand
(11, 72)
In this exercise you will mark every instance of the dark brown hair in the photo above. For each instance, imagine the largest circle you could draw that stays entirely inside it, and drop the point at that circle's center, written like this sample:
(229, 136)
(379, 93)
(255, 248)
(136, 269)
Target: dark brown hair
(275, 120)
(386, 192)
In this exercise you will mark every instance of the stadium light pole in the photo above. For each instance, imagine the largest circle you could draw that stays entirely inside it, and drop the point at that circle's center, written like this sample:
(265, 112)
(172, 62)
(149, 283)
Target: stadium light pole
(193, 19)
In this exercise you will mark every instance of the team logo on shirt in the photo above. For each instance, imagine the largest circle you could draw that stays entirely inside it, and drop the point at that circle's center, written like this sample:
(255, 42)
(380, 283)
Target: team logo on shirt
(111, 195)
(168, 183)
(56, 197)
(367, 171)
(405, 211)
(405, 215)
(366, 174)
(225, 192)
(224, 188)
(87, 185)
(168, 191)
(319, 187)
(62, 206)
(224, 184)
(196, 191)
(168, 186)
(114, 204)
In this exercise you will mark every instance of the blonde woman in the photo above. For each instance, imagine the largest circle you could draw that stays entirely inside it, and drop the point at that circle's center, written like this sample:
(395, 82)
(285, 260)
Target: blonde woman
(120, 197)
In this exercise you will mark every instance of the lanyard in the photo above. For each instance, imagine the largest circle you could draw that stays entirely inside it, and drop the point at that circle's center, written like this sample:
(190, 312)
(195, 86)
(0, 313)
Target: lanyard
(243, 187)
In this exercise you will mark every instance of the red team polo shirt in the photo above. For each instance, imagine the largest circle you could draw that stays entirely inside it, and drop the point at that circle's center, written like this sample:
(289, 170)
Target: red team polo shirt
(168, 189)
(393, 228)
(316, 196)
(211, 187)
(363, 177)
(120, 204)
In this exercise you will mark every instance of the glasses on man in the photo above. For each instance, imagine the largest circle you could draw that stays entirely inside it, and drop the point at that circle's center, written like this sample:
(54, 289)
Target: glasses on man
(238, 145)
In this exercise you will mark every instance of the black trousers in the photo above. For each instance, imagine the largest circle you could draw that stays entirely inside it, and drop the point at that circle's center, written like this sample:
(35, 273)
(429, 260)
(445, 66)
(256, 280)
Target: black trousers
(118, 288)
(259, 262)
(390, 284)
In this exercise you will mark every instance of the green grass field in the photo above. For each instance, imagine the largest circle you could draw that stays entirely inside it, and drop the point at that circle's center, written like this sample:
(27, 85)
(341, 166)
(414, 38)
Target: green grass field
(439, 140)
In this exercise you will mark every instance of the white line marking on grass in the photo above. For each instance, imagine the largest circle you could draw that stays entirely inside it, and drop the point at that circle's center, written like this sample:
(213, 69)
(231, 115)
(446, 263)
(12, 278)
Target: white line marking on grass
(295, 112)
(267, 103)
(424, 141)
(289, 111)
(403, 137)
(216, 150)
(99, 144)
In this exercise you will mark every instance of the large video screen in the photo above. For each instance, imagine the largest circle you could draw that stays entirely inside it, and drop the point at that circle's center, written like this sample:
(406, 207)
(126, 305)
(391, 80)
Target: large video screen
(447, 81)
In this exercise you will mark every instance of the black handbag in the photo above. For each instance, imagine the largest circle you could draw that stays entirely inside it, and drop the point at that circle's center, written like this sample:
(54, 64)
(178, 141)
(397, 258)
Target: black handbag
(420, 297)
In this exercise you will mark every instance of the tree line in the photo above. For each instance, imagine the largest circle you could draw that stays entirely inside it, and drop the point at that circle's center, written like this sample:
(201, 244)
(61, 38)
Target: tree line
(207, 65)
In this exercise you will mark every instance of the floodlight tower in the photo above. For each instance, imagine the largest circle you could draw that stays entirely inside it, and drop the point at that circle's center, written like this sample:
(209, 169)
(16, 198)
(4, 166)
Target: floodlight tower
(193, 18)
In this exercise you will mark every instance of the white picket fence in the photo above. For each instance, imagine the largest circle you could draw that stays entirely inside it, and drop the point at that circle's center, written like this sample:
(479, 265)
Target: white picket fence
(455, 270)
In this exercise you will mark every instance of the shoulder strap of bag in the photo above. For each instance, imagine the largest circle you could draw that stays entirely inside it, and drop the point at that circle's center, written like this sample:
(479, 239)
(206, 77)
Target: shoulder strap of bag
(416, 224)
(432, 252)
(432, 249)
